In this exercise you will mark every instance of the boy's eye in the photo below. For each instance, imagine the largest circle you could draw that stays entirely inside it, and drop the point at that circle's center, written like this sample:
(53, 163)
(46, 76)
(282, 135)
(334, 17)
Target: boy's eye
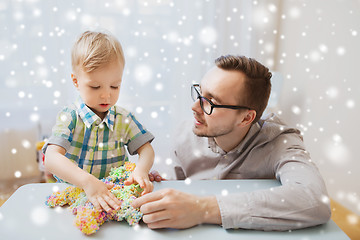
(95, 87)
(114, 87)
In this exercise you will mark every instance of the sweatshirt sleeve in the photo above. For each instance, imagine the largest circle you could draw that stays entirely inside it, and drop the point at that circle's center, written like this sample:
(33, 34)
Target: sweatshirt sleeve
(301, 200)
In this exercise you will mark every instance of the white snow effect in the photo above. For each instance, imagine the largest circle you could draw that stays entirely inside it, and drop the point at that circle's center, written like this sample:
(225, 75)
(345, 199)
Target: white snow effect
(21, 94)
(88, 20)
(272, 8)
(323, 48)
(159, 86)
(71, 15)
(315, 56)
(139, 110)
(197, 153)
(187, 181)
(338, 153)
(337, 138)
(13, 151)
(172, 37)
(208, 35)
(168, 161)
(224, 192)
(295, 12)
(352, 219)
(26, 144)
(325, 199)
(350, 103)
(17, 174)
(341, 51)
(57, 94)
(63, 117)
(154, 114)
(55, 188)
(39, 216)
(143, 74)
(34, 117)
(131, 51)
(332, 92)
(296, 110)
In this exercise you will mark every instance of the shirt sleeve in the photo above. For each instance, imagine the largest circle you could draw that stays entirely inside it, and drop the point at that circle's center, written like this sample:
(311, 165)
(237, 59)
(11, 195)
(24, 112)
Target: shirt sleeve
(301, 200)
(136, 135)
(62, 132)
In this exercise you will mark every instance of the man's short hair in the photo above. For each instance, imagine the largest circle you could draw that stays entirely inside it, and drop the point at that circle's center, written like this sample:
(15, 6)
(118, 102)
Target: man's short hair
(257, 82)
(93, 50)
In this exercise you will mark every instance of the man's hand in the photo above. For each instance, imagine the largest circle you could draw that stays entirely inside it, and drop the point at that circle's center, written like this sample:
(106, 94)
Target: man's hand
(169, 208)
(99, 195)
(155, 176)
(142, 178)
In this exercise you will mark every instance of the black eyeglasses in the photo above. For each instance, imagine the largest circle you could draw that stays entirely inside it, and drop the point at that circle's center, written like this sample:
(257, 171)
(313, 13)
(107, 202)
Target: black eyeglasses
(206, 105)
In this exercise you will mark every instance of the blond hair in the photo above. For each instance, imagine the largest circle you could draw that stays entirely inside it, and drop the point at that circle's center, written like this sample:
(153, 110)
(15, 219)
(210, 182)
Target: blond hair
(93, 50)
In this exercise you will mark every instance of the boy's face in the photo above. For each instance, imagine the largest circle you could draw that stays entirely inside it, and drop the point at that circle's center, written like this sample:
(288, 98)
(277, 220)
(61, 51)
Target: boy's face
(100, 89)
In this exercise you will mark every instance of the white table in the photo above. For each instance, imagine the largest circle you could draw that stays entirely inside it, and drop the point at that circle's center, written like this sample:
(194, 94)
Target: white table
(25, 216)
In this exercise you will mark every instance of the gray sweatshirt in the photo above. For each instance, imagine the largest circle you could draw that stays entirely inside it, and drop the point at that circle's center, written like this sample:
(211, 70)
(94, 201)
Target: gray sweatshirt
(270, 150)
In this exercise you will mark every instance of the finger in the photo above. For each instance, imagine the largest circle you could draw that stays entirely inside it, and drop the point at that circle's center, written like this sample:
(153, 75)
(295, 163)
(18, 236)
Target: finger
(151, 177)
(156, 175)
(103, 204)
(155, 217)
(152, 207)
(151, 197)
(161, 224)
(115, 199)
(141, 183)
(109, 186)
(158, 178)
(111, 202)
(148, 187)
(96, 204)
(129, 181)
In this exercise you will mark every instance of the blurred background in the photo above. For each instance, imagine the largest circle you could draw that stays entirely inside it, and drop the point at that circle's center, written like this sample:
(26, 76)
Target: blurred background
(311, 46)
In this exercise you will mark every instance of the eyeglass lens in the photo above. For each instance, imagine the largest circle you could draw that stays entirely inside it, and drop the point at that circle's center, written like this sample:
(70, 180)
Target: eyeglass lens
(204, 104)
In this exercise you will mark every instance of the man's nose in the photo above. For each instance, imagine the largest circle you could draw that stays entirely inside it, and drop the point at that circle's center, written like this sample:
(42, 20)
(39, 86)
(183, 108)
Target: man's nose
(196, 106)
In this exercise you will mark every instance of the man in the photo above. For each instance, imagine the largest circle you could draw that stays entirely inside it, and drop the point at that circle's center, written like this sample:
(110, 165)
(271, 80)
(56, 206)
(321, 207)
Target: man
(228, 140)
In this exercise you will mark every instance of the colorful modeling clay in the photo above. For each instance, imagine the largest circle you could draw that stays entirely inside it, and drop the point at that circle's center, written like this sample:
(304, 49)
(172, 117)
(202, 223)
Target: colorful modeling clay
(88, 219)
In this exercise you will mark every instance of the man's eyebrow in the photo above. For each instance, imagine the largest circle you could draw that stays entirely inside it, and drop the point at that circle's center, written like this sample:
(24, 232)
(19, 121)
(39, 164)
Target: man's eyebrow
(212, 95)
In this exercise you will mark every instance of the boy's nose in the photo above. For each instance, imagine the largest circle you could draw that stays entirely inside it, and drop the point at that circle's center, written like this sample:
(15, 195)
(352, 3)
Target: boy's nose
(105, 95)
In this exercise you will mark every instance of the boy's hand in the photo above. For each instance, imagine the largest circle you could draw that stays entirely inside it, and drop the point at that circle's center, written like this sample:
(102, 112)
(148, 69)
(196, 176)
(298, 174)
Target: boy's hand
(99, 195)
(155, 176)
(142, 179)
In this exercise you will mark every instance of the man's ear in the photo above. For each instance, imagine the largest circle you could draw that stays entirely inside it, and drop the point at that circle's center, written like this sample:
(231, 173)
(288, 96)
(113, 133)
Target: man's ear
(74, 79)
(248, 118)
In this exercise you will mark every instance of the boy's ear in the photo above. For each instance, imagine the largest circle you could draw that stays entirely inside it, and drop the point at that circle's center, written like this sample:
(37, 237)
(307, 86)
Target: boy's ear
(74, 79)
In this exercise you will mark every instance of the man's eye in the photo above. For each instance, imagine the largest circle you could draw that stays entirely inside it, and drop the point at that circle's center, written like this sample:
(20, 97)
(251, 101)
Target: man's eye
(114, 87)
(95, 87)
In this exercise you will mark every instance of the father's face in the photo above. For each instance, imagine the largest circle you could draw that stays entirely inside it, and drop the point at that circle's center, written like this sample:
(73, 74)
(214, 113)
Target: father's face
(221, 87)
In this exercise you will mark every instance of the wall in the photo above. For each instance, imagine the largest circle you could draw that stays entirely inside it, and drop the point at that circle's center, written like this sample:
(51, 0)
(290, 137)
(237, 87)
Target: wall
(319, 58)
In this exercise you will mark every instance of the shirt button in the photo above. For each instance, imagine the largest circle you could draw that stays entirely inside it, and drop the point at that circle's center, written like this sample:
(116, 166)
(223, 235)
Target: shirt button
(225, 156)
(91, 150)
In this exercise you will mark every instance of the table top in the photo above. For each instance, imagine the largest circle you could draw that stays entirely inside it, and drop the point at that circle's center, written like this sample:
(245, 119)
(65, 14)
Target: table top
(25, 216)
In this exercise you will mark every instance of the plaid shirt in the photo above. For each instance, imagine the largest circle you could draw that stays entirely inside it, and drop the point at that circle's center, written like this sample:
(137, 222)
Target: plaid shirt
(97, 145)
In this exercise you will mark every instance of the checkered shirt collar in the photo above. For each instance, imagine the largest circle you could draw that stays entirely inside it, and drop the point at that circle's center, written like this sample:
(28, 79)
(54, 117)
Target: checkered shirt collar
(89, 117)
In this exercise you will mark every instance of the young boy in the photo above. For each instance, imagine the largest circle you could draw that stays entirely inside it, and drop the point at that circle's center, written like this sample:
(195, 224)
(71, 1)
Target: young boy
(90, 135)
